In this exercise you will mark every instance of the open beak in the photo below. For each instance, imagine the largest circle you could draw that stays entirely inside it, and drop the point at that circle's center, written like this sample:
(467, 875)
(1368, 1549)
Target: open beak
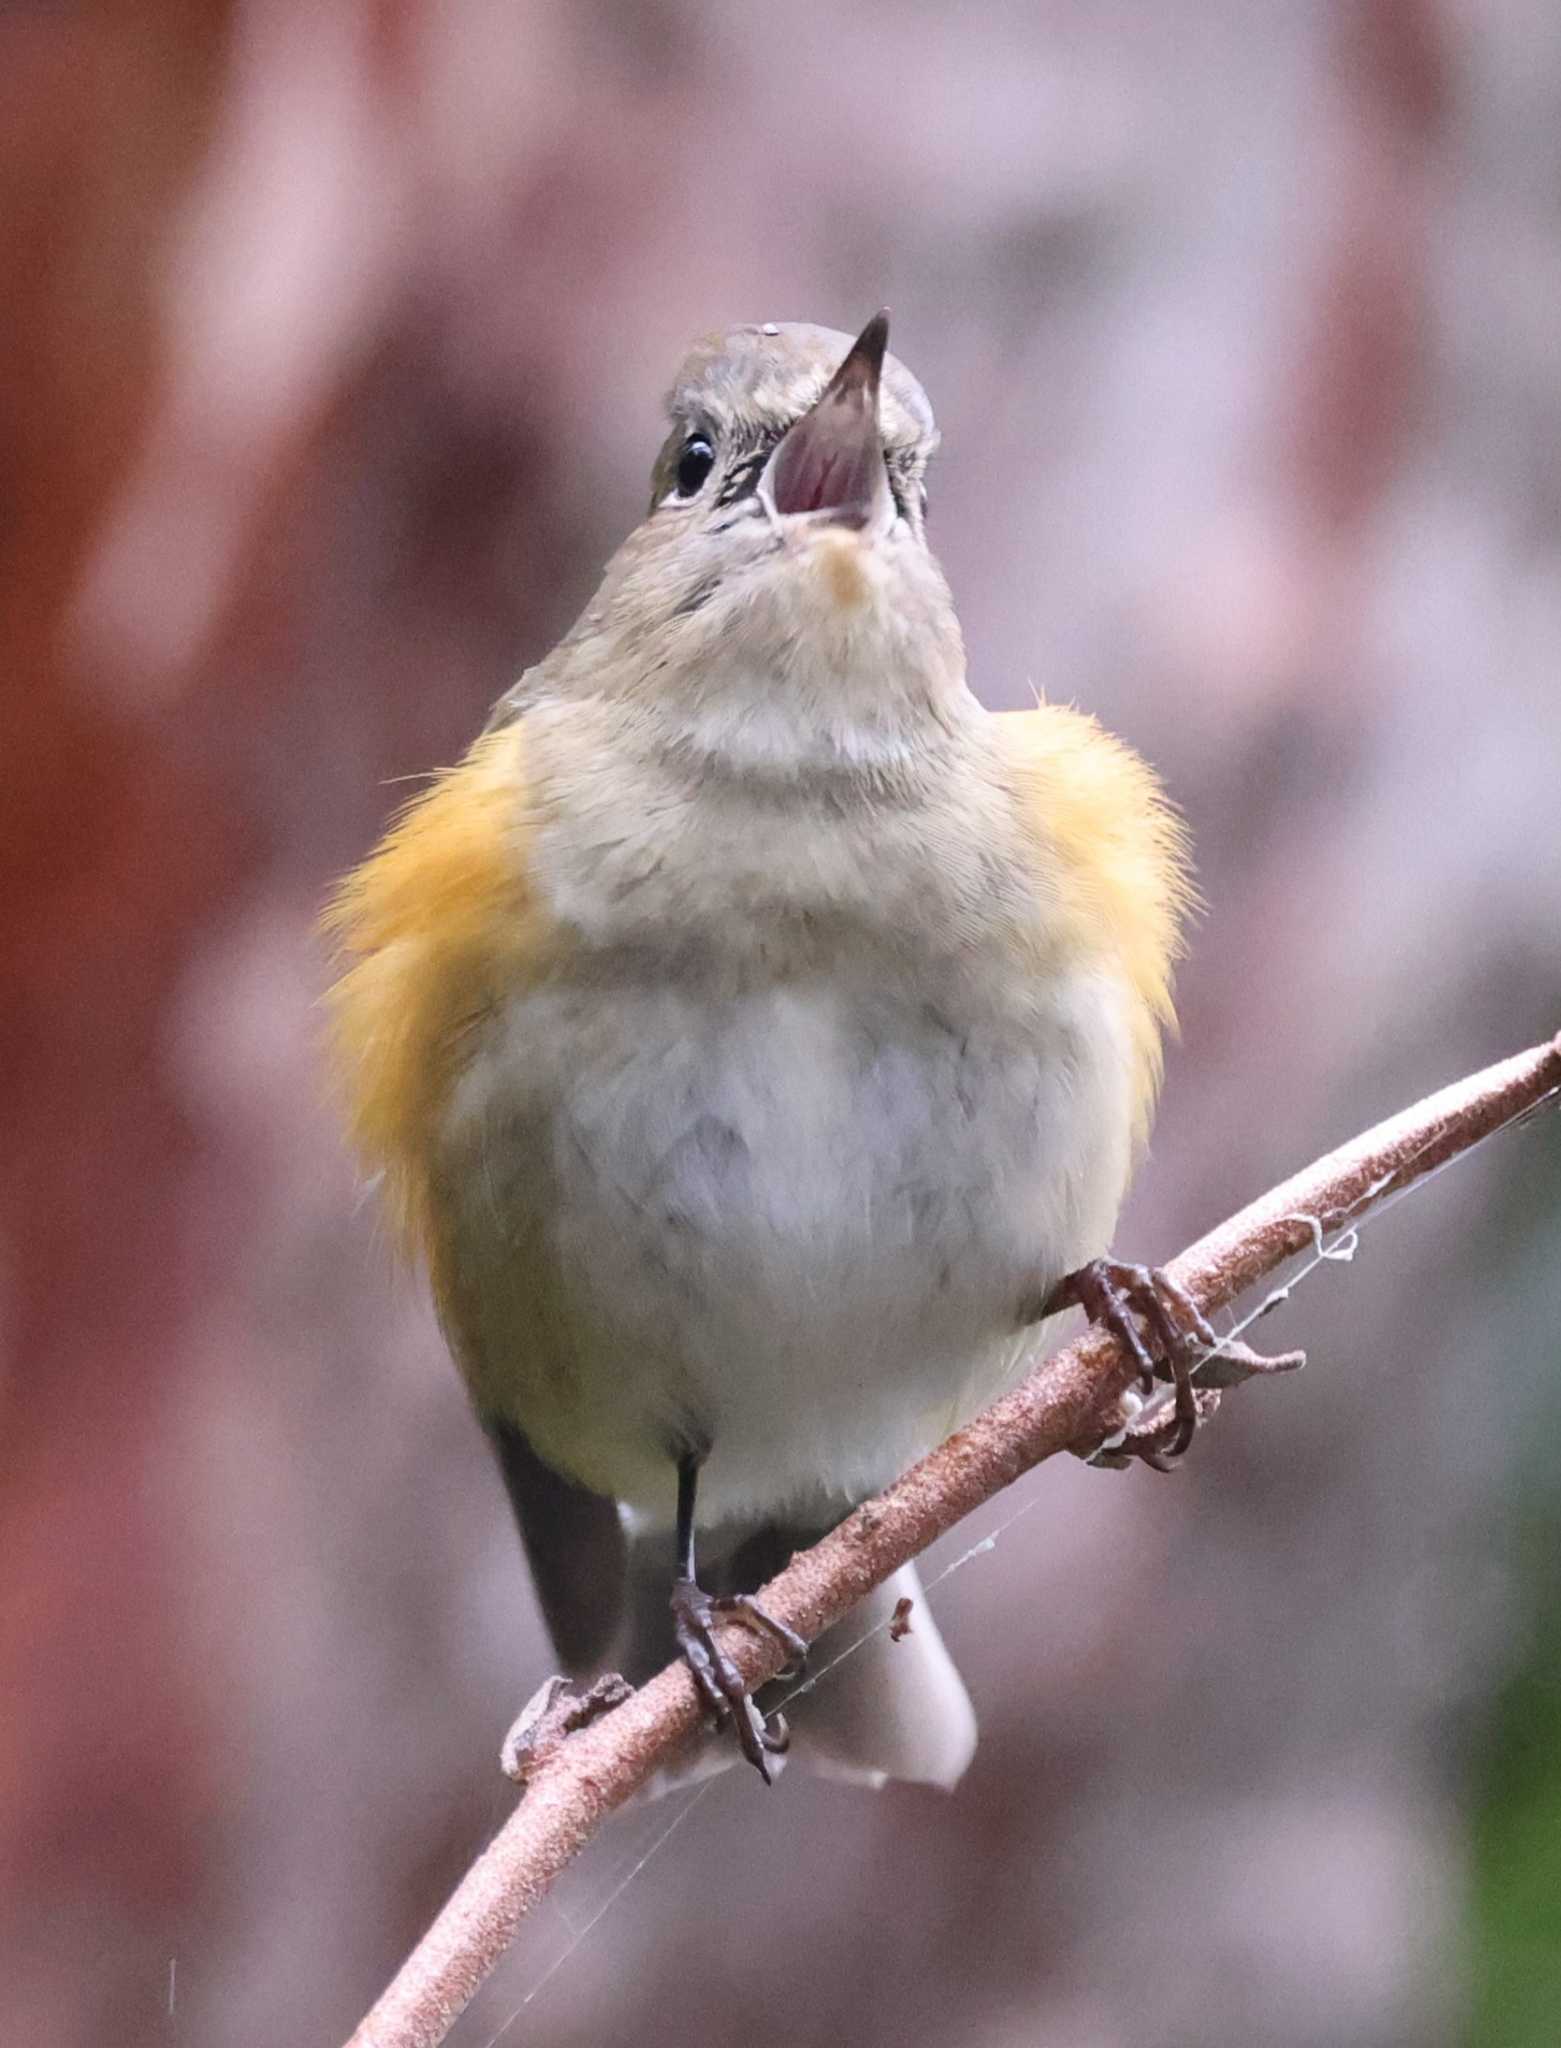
(830, 461)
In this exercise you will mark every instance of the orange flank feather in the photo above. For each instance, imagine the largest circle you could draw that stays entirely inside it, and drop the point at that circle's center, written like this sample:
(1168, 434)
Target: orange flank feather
(1120, 858)
(433, 925)
(441, 921)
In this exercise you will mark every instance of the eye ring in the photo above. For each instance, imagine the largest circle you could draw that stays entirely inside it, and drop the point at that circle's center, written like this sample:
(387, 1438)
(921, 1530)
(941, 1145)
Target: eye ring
(696, 459)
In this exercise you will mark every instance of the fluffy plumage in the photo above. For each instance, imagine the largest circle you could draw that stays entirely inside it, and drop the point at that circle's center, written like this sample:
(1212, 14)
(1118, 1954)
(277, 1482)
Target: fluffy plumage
(444, 918)
(752, 1024)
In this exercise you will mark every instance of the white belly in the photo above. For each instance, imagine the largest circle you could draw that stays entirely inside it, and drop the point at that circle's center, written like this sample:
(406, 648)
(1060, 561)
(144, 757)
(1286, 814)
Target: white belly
(794, 1224)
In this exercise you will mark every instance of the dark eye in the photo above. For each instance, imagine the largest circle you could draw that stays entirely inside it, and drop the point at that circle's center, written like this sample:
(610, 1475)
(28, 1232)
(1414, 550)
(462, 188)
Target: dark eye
(696, 459)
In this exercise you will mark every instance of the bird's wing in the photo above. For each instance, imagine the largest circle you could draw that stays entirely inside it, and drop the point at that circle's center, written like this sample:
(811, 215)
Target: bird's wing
(575, 1546)
(437, 922)
(1117, 854)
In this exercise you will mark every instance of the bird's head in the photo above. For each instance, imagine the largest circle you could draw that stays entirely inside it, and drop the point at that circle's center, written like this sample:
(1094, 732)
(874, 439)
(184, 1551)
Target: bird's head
(785, 549)
(796, 422)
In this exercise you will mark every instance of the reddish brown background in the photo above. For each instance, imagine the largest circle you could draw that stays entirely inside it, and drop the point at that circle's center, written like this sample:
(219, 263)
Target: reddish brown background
(328, 371)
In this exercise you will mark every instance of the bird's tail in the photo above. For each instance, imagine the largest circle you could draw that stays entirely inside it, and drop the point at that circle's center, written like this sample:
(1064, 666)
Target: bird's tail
(894, 1705)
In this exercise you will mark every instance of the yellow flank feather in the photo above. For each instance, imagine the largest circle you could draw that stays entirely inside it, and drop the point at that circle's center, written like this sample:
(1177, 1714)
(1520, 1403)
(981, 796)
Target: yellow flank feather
(436, 921)
(441, 920)
(1120, 858)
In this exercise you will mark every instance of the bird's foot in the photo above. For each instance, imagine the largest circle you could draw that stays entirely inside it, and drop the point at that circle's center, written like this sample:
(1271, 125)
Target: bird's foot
(554, 1711)
(1135, 1302)
(694, 1615)
(1166, 1335)
(1152, 1436)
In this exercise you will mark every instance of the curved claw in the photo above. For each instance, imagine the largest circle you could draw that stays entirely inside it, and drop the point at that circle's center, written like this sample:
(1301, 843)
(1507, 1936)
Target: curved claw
(694, 1612)
(1127, 1300)
(746, 1608)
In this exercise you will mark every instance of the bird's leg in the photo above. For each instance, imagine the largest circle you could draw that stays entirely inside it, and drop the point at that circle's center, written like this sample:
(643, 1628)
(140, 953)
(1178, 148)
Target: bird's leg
(694, 1613)
(1130, 1301)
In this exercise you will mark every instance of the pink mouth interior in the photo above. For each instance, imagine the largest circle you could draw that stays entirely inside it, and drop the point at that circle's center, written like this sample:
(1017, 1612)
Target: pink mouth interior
(828, 462)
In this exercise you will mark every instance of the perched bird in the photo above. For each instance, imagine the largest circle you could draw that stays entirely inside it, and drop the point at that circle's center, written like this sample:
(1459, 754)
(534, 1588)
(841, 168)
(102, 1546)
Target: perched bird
(755, 1034)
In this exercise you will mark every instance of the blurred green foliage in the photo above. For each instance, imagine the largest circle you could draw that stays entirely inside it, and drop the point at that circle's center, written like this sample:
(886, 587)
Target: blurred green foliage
(1515, 1875)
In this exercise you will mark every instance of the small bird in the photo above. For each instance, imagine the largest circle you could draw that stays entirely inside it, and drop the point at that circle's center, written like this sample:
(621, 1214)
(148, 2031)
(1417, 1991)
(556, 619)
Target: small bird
(755, 1034)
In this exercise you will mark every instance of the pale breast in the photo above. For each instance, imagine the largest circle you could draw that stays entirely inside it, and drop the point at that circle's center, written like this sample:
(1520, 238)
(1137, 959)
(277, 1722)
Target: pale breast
(791, 1219)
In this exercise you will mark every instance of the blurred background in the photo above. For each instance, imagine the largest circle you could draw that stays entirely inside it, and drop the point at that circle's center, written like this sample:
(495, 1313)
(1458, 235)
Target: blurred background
(329, 371)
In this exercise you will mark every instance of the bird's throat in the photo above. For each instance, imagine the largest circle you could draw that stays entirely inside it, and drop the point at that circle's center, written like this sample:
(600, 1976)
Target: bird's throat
(841, 567)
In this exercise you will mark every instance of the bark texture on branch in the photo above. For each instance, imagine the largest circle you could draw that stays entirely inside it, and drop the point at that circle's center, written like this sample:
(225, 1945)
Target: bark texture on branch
(1063, 1400)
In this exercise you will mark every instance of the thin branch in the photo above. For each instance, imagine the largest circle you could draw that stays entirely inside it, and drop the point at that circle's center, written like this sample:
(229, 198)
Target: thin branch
(1067, 1399)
